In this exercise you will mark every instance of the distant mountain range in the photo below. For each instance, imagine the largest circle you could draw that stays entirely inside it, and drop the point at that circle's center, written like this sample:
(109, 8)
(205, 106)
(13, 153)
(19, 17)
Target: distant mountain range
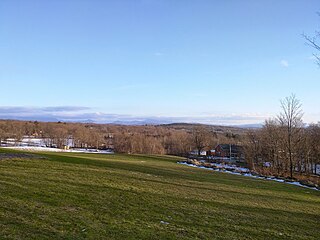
(254, 125)
(81, 114)
(137, 122)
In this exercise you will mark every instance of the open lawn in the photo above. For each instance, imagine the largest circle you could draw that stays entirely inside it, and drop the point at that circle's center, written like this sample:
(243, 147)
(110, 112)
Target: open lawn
(91, 196)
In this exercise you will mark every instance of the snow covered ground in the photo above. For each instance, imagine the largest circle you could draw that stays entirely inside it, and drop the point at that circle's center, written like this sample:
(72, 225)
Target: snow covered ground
(47, 149)
(229, 167)
(244, 172)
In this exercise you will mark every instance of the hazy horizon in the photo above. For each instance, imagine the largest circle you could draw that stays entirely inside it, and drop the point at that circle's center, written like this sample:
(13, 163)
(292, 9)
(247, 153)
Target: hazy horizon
(79, 114)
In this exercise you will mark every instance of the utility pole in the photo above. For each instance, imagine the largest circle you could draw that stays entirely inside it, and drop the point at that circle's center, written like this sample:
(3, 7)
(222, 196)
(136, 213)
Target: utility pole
(230, 151)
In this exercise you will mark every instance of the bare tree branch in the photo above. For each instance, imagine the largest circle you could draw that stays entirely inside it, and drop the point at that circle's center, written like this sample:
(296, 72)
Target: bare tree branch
(314, 43)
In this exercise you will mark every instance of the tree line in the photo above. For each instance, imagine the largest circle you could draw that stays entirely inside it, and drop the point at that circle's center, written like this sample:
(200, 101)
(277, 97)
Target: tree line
(147, 139)
(285, 146)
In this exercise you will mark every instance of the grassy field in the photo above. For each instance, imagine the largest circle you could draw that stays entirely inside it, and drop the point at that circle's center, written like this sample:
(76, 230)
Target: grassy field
(90, 196)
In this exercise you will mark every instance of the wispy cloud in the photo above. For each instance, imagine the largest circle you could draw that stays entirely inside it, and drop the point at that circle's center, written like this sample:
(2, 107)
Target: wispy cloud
(312, 58)
(39, 112)
(284, 63)
(158, 54)
(64, 109)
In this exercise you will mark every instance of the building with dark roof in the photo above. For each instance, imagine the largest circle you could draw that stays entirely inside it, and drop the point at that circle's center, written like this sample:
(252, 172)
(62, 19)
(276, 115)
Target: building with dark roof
(229, 151)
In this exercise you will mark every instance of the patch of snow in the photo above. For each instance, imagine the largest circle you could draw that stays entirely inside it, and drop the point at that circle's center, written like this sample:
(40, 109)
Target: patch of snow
(244, 173)
(29, 148)
(48, 149)
(163, 222)
(301, 185)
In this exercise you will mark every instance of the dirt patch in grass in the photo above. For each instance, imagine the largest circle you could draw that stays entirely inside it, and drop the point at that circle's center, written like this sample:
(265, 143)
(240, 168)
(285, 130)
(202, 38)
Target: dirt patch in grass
(5, 156)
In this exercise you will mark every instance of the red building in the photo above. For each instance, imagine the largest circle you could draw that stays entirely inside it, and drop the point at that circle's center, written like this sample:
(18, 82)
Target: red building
(227, 150)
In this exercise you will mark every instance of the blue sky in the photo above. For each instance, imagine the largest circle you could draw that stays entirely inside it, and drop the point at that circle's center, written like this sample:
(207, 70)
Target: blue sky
(226, 62)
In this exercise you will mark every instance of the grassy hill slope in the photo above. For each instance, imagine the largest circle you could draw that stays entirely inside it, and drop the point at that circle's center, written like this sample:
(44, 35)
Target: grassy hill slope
(89, 196)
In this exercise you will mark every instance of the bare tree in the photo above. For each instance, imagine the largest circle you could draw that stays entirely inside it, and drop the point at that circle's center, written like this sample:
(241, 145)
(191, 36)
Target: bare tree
(251, 149)
(290, 120)
(314, 146)
(2, 133)
(271, 137)
(177, 143)
(313, 41)
(200, 138)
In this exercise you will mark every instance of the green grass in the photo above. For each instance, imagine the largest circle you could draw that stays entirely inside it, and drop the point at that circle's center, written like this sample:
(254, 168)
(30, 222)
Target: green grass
(89, 196)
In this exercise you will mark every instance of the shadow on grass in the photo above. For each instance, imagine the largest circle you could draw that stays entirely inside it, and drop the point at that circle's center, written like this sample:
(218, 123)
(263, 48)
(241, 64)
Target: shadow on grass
(129, 163)
(182, 172)
(186, 212)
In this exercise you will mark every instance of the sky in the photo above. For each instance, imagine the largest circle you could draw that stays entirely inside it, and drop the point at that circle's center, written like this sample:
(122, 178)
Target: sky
(219, 62)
